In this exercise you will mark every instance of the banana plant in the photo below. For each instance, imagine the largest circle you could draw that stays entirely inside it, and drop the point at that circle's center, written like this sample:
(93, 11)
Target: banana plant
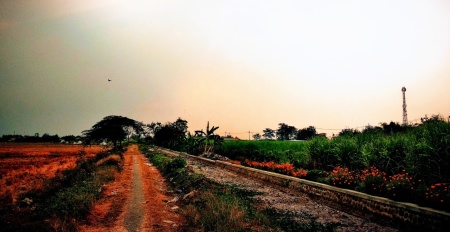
(208, 139)
(193, 144)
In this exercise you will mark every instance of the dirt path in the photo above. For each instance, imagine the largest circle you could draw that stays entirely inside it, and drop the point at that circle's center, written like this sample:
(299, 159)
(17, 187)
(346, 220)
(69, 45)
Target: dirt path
(135, 211)
(137, 201)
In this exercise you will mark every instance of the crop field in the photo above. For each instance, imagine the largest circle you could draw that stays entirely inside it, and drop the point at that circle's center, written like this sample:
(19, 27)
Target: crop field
(267, 150)
(411, 165)
(26, 166)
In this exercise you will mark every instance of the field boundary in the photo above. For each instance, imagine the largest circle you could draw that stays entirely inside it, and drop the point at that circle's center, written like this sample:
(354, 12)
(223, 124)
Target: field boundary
(368, 206)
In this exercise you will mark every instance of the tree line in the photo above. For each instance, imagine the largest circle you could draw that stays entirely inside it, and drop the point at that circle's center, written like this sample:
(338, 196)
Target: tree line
(287, 132)
(115, 129)
(45, 138)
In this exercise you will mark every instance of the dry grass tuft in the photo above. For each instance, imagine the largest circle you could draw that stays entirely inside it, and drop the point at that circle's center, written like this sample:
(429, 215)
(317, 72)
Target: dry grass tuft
(112, 159)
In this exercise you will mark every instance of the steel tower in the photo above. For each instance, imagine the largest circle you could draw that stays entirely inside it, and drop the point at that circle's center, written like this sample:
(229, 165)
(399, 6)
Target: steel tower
(405, 114)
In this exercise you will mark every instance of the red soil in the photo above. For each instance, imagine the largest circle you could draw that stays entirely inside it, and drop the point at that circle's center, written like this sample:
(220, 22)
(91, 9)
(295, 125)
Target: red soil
(110, 213)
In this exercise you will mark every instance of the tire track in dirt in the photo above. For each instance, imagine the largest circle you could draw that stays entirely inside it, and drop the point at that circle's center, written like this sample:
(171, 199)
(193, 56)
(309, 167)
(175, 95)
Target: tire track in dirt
(135, 212)
(138, 200)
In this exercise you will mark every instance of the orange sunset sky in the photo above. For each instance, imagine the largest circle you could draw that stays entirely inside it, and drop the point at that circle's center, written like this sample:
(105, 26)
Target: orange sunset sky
(241, 65)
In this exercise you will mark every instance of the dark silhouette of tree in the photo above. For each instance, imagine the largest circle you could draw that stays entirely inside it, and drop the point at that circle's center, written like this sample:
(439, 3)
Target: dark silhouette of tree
(150, 130)
(140, 131)
(171, 135)
(268, 133)
(433, 118)
(257, 136)
(348, 132)
(69, 138)
(372, 130)
(286, 132)
(306, 133)
(46, 138)
(392, 127)
(112, 129)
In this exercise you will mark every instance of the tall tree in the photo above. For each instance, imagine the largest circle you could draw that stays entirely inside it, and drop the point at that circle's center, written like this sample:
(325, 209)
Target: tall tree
(152, 128)
(112, 129)
(268, 133)
(286, 132)
(171, 135)
(306, 133)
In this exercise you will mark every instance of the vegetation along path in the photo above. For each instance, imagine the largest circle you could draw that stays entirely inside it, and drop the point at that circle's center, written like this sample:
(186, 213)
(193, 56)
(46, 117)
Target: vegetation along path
(282, 200)
(137, 201)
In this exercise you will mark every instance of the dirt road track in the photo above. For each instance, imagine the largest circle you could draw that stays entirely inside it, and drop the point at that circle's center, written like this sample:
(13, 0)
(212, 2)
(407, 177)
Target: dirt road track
(136, 201)
(135, 212)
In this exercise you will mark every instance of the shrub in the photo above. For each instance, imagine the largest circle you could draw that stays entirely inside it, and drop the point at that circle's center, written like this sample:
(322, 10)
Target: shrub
(160, 161)
(322, 154)
(316, 175)
(349, 152)
(372, 181)
(343, 178)
(175, 164)
(400, 187)
(438, 196)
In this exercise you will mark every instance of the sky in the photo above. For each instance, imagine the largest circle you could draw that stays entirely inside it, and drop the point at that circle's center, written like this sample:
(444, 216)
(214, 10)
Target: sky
(242, 65)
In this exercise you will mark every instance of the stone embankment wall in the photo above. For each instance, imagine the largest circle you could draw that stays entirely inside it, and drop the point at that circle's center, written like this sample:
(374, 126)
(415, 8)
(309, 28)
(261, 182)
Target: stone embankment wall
(377, 208)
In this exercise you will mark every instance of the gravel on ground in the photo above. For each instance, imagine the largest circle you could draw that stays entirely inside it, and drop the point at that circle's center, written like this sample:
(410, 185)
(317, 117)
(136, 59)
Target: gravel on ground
(284, 200)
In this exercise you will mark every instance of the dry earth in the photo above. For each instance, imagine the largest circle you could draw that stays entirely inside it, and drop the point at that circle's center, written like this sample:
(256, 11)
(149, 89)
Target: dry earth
(137, 201)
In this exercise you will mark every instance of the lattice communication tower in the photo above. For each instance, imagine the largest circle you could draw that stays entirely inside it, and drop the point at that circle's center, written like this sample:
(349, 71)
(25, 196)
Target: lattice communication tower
(405, 114)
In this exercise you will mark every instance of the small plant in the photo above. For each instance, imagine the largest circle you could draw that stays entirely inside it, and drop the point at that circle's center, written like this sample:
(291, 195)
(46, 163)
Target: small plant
(400, 187)
(438, 196)
(372, 181)
(316, 175)
(343, 178)
(175, 164)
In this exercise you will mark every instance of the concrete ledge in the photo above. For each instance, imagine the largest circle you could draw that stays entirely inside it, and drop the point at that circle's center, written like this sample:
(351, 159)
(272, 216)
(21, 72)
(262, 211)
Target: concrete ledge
(408, 215)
